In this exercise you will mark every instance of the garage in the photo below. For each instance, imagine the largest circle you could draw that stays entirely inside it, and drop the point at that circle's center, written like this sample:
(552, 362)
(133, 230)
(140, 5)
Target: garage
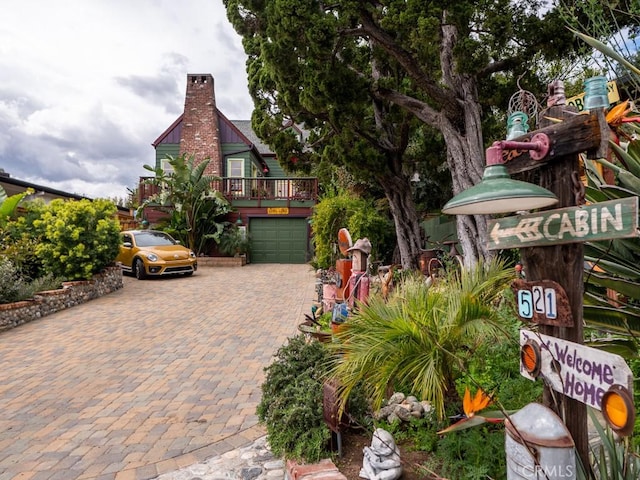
(278, 240)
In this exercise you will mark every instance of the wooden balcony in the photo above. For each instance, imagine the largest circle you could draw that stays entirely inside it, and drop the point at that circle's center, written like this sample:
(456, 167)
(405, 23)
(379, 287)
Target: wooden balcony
(253, 191)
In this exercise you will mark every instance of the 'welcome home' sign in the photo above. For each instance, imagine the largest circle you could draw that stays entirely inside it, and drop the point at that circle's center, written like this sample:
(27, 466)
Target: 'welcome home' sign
(577, 371)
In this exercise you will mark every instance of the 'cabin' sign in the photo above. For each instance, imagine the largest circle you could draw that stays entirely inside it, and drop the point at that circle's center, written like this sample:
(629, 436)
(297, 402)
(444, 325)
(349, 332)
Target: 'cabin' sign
(599, 221)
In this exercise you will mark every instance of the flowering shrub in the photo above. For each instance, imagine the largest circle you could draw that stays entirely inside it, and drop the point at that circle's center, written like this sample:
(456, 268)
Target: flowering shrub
(77, 238)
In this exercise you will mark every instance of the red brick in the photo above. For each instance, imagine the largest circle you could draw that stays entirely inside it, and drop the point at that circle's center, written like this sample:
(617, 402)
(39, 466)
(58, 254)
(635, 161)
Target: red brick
(325, 470)
(200, 134)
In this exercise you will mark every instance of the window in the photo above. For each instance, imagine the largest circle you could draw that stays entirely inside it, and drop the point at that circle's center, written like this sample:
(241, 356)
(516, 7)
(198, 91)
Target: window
(235, 174)
(166, 166)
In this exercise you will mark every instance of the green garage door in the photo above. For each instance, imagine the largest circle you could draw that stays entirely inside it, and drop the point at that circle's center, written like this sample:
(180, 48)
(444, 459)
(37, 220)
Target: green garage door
(278, 240)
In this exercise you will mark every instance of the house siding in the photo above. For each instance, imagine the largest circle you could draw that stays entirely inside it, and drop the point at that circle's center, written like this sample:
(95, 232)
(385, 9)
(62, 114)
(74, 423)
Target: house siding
(236, 150)
(165, 149)
(275, 170)
(279, 213)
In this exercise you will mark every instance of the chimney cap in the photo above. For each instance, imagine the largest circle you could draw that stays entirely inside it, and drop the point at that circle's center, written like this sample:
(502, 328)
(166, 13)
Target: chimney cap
(200, 77)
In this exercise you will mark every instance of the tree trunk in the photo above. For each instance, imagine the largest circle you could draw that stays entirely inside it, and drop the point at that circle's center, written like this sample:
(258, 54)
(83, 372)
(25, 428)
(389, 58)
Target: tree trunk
(461, 129)
(465, 158)
(403, 210)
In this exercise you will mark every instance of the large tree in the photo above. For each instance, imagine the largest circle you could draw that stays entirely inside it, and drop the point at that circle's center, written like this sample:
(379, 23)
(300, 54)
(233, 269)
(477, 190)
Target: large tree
(358, 73)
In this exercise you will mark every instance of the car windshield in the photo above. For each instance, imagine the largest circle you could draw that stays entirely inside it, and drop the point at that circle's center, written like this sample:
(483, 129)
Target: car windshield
(153, 239)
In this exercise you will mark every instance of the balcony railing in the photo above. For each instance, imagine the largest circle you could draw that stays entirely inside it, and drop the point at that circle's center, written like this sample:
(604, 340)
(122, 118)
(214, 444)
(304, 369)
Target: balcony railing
(286, 189)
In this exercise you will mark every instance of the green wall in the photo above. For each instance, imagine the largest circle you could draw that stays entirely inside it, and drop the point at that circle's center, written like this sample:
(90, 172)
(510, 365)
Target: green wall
(165, 149)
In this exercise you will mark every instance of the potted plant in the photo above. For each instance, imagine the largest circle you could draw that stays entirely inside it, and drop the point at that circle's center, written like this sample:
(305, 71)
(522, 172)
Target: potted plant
(234, 242)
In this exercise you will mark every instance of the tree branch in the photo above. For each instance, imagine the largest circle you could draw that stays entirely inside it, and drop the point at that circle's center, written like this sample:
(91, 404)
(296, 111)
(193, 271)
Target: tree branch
(407, 61)
(420, 109)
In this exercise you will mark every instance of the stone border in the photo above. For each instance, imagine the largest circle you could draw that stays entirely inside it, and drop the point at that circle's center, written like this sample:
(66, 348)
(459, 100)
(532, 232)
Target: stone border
(51, 301)
(240, 261)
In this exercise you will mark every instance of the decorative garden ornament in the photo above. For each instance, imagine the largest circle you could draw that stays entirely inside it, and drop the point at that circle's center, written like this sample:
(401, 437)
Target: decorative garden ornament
(382, 459)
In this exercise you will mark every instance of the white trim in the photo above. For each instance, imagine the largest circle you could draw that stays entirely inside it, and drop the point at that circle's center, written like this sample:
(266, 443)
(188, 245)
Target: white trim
(235, 188)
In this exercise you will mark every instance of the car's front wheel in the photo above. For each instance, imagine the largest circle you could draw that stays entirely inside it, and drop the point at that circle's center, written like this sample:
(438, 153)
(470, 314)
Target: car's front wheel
(138, 269)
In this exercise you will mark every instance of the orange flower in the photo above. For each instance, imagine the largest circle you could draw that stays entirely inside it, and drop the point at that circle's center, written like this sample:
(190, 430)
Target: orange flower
(617, 113)
(479, 402)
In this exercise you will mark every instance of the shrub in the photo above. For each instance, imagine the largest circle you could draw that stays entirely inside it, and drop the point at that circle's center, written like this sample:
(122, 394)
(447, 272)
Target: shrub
(14, 287)
(78, 238)
(475, 453)
(233, 241)
(11, 284)
(361, 217)
(291, 405)
(18, 241)
(418, 340)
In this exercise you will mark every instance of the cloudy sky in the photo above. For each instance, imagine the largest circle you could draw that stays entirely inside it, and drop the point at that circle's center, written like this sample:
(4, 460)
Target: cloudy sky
(87, 85)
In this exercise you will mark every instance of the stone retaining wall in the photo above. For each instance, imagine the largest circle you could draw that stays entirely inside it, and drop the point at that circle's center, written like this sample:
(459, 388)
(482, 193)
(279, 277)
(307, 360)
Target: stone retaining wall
(71, 294)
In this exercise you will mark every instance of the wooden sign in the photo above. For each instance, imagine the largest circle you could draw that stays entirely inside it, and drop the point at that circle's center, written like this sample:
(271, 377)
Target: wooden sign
(575, 134)
(582, 373)
(543, 302)
(277, 211)
(599, 221)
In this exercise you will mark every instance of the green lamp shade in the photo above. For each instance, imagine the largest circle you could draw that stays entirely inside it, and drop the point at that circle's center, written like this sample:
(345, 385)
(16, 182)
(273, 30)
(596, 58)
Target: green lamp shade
(498, 193)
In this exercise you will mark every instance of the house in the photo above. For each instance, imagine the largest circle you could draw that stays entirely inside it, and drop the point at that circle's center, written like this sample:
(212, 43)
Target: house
(14, 186)
(274, 207)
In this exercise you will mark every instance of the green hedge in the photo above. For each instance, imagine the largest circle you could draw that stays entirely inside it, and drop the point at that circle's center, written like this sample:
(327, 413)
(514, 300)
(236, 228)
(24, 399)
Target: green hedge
(361, 217)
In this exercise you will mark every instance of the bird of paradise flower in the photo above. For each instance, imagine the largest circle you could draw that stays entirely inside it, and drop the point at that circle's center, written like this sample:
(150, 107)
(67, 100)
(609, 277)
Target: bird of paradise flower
(471, 407)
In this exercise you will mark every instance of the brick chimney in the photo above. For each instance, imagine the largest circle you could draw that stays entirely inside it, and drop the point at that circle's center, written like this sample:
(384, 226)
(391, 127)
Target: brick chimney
(200, 131)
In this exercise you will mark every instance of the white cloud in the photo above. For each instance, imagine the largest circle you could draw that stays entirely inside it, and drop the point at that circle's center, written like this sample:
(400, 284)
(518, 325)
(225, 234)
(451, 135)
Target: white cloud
(88, 85)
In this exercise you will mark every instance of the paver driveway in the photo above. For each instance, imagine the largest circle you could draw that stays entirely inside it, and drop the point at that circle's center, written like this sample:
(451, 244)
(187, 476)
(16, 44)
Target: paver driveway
(157, 376)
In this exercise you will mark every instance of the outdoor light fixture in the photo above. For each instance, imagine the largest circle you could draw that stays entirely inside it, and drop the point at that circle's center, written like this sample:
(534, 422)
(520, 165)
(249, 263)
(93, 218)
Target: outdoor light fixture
(497, 192)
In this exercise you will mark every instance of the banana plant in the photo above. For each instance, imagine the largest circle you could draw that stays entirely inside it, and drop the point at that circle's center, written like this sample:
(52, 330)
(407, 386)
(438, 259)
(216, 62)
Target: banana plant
(8, 205)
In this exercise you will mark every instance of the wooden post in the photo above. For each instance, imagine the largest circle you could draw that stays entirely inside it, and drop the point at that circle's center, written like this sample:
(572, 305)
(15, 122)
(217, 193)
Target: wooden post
(564, 265)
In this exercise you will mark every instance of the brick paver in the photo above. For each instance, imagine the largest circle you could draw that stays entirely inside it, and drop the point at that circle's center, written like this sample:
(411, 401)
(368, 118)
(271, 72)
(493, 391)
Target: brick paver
(158, 375)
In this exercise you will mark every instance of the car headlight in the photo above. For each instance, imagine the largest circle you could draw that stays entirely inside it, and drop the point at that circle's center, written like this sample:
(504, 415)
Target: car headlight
(152, 257)
(192, 255)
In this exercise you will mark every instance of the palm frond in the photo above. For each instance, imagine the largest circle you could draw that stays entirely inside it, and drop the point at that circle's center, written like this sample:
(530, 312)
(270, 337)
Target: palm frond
(416, 337)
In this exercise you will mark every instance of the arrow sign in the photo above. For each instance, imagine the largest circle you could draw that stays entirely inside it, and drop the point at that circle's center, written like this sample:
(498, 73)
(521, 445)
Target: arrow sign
(599, 221)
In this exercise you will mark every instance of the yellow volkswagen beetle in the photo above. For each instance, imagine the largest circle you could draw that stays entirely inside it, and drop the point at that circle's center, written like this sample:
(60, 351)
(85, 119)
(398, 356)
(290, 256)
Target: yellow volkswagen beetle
(151, 252)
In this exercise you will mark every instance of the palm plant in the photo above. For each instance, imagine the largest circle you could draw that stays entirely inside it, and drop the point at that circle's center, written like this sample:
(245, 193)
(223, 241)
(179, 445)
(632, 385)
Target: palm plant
(234, 242)
(420, 337)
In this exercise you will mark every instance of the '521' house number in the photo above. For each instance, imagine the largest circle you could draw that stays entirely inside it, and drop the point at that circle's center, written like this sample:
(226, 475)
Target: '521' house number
(543, 302)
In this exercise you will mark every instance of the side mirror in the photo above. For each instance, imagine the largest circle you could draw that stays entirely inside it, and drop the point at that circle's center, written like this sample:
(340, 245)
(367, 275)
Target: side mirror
(127, 244)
